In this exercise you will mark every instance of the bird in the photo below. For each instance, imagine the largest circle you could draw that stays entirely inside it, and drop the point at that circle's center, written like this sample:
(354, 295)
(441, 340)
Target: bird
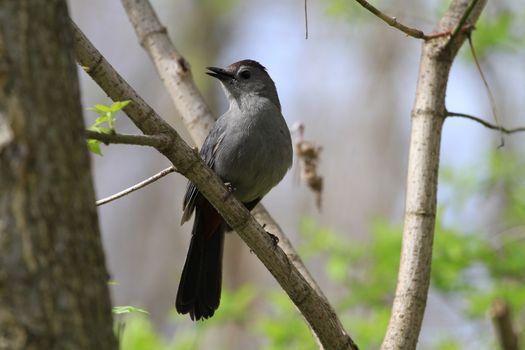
(250, 149)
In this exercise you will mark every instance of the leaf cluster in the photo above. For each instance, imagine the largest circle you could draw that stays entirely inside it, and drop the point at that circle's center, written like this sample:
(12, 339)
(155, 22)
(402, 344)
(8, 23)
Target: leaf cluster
(104, 123)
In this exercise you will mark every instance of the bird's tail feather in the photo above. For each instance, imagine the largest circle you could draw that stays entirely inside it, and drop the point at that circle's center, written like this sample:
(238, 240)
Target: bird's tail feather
(199, 290)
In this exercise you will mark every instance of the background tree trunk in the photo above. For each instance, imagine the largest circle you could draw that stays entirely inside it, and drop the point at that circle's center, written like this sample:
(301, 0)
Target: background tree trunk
(428, 115)
(53, 280)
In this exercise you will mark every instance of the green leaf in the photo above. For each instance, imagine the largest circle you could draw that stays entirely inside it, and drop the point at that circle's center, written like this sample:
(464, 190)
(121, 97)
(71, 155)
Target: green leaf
(118, 310)
(102, 108)
(118, 105)
(101, 129)
(102, 119)
(94, 146)
(107, 115)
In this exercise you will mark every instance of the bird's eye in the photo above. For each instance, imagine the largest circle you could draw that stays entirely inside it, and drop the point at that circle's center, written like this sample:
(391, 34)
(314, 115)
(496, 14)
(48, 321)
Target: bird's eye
(245, 74)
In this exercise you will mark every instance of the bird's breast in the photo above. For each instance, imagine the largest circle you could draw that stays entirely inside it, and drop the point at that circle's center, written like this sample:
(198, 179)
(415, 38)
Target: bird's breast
(254, 158)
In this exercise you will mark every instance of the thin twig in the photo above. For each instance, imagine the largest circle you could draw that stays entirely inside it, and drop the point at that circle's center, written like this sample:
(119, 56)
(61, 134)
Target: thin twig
(306, 19)
(485, 123)
(392, 21)
(157, 141)
(487, 88)
(461, 23)
(133, 188)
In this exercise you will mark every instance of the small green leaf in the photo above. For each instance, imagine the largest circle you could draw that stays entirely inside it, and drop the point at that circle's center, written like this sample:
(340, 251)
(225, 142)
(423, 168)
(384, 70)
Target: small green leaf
(106, 115)
(111, 120)
(118, 310)
(102, 119)
(117, 106)
(97, 110)
(101, 129)
(94, 146)
(102, 108)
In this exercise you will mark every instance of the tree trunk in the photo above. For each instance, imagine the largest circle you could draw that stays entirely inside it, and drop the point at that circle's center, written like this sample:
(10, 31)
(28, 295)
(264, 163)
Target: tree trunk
(428, 115)
(53, 280)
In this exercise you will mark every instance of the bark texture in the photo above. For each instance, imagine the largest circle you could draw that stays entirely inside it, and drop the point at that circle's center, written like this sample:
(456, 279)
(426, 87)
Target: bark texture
(53, 280)
(428, 115)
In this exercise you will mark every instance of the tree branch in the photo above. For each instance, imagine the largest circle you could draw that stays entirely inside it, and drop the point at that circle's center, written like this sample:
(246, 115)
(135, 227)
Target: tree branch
(461, 22)
(392, 21)
(312, 305)
(157, 141)
(96, 66)
(196, 116)
(428, 114)
(502, 321)
(485, 123)
(172, 68)
(135, 187)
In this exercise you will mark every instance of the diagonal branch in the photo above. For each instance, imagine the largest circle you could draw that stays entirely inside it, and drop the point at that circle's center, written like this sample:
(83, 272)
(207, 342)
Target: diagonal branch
(176, 75)
(392, 21)
(138, 186)
(172, 68)
(196, 116)
(486, 124)
(157, 141)
(312, 304)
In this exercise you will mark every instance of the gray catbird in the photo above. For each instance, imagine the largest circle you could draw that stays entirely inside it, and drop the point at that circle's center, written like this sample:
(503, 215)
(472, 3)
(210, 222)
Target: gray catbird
(250, 149)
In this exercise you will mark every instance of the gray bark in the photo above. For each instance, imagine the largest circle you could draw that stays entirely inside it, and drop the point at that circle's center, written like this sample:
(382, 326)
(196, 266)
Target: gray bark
(53, 280)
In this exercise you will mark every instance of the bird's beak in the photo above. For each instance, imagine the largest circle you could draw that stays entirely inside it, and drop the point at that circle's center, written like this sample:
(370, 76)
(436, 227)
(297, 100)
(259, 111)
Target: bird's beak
(219, 73)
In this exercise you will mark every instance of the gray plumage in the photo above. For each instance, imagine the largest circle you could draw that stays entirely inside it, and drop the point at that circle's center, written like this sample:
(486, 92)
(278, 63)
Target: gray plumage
(250, 148)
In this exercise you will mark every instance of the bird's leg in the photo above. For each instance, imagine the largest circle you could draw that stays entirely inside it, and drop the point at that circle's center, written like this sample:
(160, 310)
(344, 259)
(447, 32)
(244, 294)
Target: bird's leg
(230, 189)
(274, 238)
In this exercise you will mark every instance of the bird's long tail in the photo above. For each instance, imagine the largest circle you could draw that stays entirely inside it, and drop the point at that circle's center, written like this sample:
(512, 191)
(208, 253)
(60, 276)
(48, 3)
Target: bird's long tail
(199, 290)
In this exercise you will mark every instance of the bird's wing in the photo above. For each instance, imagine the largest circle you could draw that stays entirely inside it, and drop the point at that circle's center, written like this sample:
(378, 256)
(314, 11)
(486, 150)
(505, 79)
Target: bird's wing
(207, 153)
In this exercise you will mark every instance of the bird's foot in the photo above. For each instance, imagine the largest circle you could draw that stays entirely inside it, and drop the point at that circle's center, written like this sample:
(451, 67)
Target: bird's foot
(274, 238)
(230, 189)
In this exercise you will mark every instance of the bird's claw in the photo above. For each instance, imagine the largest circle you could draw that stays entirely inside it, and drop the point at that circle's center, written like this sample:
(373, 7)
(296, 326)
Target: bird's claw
(274, 238)
(230, 189)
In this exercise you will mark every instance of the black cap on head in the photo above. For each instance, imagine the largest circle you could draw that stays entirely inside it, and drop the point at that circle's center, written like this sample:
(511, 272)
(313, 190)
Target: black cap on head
(249, 63)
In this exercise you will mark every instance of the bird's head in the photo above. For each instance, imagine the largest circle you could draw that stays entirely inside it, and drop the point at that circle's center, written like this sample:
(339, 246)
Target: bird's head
(244, 79)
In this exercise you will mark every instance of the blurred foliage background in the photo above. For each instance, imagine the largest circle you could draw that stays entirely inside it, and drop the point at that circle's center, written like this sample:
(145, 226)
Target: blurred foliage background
(471, 269)
(352, 84)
